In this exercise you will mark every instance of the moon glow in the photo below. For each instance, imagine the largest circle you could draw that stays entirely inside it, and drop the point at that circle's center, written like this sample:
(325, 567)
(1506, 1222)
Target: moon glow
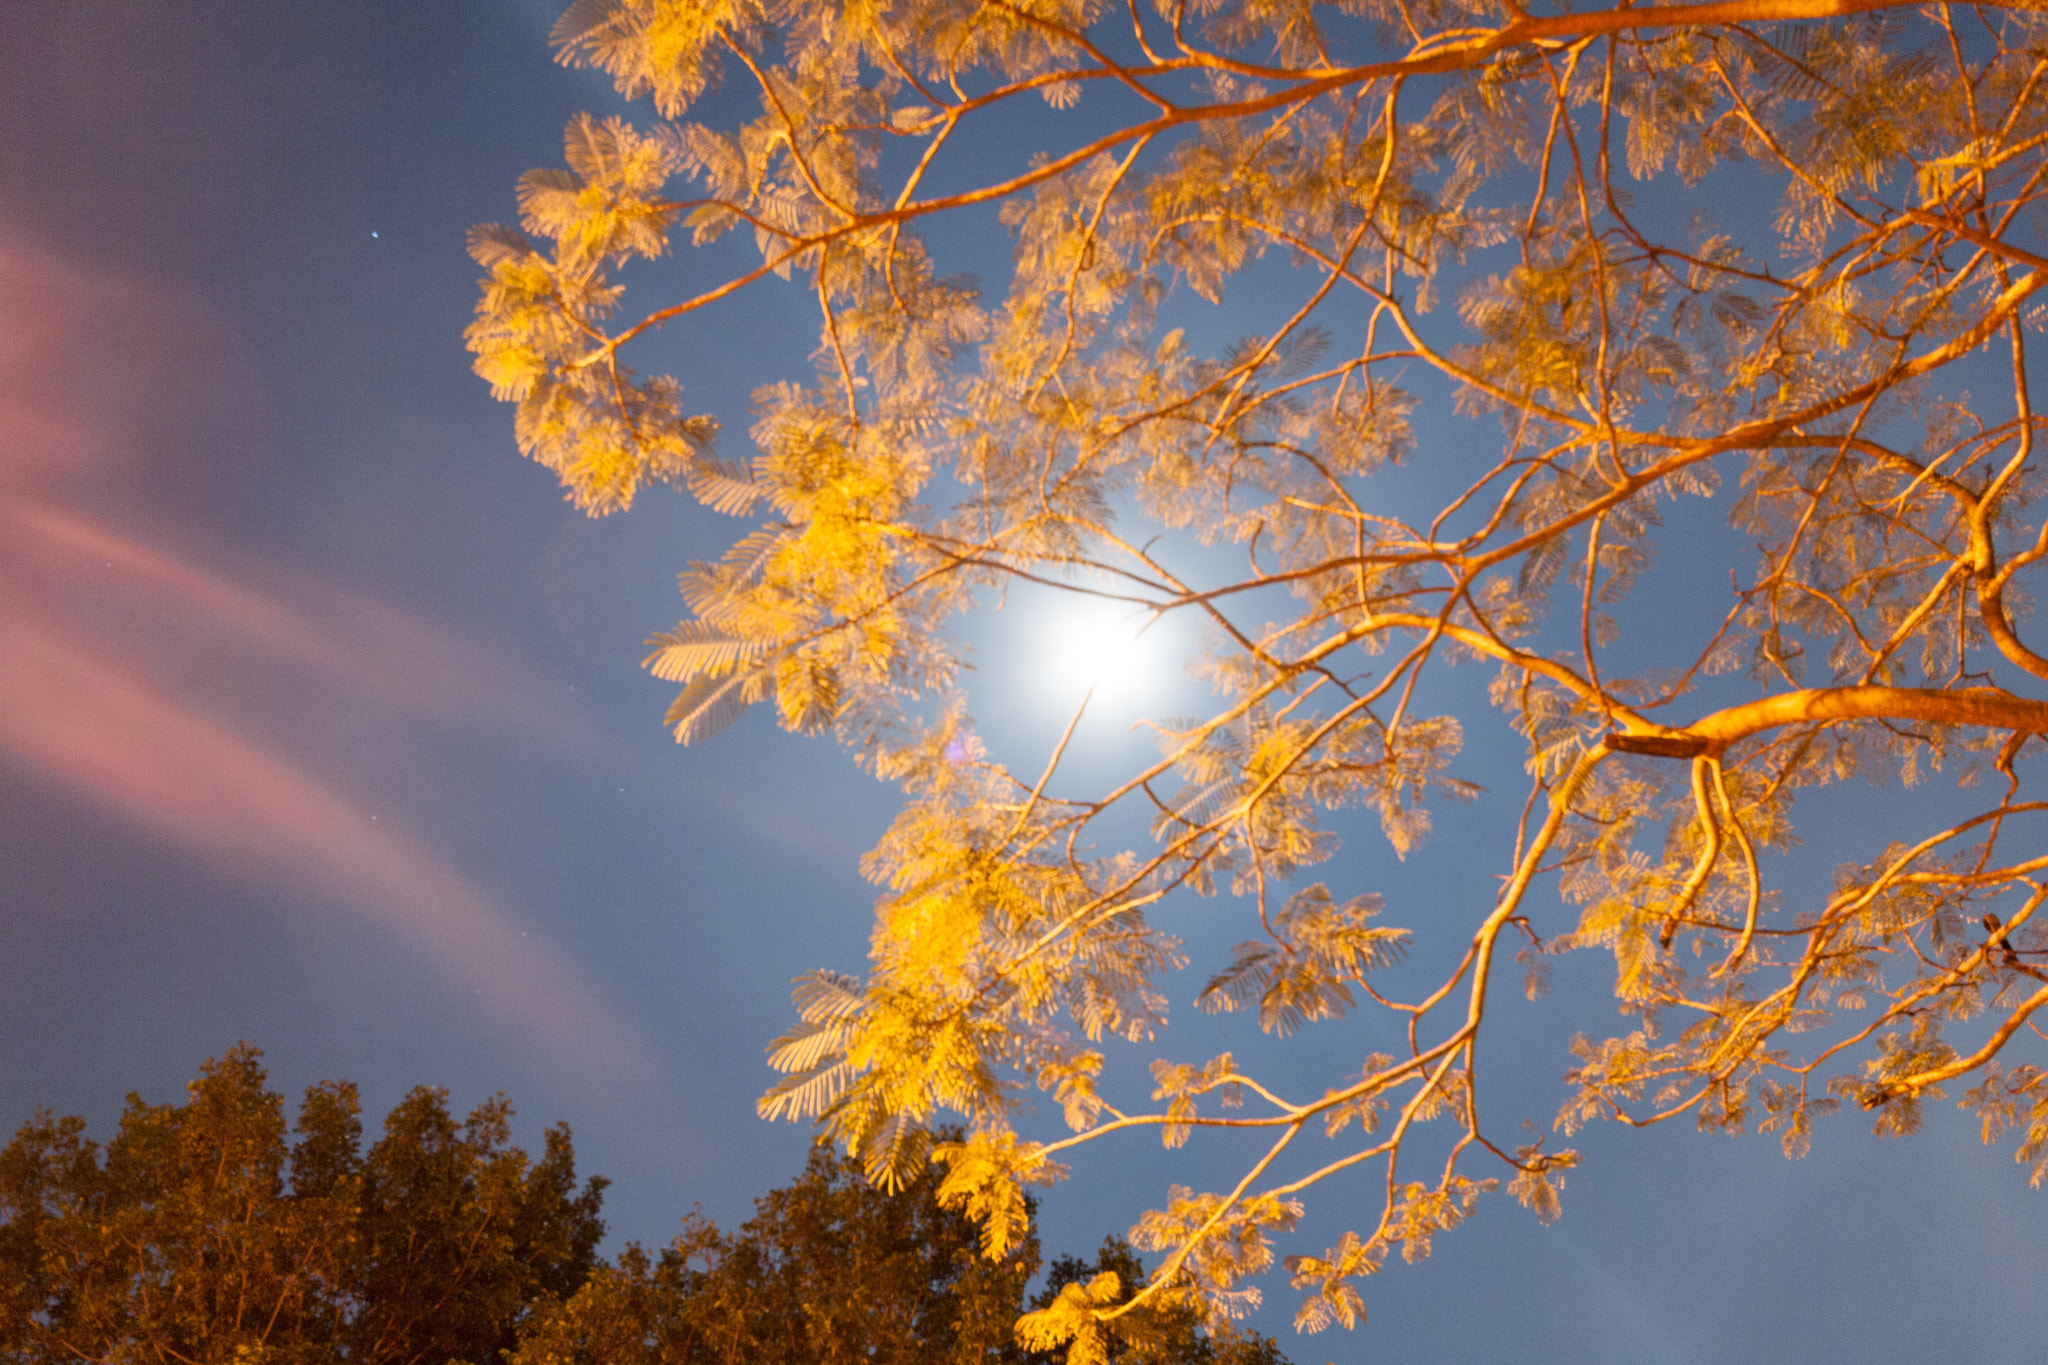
(1091, 643)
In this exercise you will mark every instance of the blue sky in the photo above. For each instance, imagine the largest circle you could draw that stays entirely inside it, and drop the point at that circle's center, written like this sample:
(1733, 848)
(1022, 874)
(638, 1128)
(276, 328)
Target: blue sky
(321, 726)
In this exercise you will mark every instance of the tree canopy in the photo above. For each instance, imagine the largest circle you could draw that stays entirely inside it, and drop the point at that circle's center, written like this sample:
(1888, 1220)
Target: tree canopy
(828, 1270)
(199, 1235)
(833, 1271)
(1522, 292)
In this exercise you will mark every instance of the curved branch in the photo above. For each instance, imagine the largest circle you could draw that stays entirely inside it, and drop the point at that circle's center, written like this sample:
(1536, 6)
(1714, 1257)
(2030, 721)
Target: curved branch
(1990, 707)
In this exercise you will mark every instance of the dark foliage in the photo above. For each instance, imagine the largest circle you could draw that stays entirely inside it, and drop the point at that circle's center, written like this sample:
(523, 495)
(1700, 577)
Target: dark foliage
(832, 1271)
(198, 1235)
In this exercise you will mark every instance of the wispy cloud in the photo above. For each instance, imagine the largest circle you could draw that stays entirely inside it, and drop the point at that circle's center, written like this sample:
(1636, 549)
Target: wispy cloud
(91, 610)
(383, 652)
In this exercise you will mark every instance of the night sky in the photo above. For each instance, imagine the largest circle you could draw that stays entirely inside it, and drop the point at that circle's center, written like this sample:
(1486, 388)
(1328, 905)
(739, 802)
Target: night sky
(321, 726)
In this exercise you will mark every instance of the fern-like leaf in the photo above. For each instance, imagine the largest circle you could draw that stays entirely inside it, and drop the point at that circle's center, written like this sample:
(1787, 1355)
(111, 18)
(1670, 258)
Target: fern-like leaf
(695, 649)
(724, 486)
(708, 705)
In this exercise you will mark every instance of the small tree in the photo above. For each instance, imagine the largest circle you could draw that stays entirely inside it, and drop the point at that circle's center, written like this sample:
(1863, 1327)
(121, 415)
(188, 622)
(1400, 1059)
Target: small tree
(1496, 339)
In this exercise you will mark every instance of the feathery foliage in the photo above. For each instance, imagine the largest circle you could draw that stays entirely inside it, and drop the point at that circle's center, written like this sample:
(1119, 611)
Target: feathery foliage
(1497, 339)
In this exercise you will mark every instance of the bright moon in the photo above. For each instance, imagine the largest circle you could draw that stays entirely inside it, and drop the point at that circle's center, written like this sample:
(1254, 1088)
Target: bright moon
(1089, 643)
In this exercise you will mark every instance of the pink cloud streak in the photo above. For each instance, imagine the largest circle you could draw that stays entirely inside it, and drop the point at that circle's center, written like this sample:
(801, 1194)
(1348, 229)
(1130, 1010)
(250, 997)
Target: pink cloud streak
(82, 703)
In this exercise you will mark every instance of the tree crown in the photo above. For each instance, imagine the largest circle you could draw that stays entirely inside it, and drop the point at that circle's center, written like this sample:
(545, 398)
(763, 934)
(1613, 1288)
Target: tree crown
(1498, 345)
(199, 1234)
